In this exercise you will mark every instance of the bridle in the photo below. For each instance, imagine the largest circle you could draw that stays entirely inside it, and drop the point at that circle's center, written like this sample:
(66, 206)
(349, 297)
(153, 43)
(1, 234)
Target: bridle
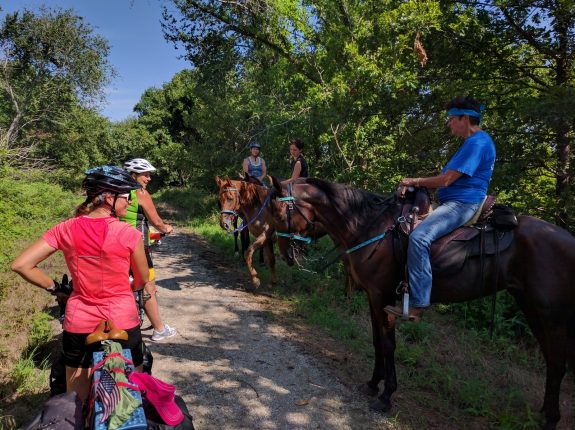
(233, 211)
(292, 206)
(237, 204)
(376, 240)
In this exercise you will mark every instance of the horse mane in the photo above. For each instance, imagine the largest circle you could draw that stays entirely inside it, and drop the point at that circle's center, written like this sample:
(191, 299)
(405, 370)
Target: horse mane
(249, 193)
(357, 208)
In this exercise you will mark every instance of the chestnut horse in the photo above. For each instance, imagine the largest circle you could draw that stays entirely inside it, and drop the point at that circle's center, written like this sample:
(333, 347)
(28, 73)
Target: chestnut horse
(236, 197)
(538, 269)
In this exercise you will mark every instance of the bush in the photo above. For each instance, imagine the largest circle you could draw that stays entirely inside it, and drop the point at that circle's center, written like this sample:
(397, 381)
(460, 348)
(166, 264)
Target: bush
(29, 205)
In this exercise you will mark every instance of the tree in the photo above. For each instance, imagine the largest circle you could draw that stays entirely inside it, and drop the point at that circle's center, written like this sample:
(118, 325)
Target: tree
(519, 56)
(49, 62)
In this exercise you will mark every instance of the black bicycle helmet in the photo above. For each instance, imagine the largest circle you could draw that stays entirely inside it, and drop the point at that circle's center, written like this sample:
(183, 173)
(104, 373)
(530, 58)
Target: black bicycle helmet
(108, 178)
(254, 144)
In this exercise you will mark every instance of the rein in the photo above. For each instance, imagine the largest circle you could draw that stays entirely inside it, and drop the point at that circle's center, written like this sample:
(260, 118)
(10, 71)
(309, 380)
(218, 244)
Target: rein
(245, 224)
(364, 243)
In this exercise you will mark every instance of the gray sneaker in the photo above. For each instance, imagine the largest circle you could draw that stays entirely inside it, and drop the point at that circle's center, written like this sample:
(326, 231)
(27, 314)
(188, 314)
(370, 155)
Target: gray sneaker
(164, 334)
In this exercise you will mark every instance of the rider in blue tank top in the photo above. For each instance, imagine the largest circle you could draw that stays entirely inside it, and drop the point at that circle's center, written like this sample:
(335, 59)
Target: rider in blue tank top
(462, 187)
(255, 165)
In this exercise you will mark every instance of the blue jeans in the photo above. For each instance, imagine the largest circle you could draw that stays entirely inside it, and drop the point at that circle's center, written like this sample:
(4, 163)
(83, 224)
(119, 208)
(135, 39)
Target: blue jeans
(443, 220)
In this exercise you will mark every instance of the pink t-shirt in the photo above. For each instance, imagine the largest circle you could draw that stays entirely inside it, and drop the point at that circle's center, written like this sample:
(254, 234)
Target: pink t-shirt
(97, 252)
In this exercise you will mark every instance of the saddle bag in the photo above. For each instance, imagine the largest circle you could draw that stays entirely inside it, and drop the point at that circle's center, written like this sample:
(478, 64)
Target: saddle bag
(155, 422)
(61, 412)
(503, 218)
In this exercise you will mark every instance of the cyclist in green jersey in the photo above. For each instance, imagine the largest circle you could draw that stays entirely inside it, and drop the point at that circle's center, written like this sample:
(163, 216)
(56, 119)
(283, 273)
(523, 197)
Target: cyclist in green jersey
(141, 213)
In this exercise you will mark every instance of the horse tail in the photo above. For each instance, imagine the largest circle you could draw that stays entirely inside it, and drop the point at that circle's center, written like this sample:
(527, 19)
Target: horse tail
(571, 342)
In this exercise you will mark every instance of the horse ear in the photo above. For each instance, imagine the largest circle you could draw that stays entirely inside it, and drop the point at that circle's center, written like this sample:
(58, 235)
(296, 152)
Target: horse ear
(242, 176)
(218, 181)
(277, 185)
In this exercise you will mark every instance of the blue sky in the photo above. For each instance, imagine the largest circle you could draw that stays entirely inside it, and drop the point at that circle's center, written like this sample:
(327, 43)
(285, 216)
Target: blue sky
(139, 53)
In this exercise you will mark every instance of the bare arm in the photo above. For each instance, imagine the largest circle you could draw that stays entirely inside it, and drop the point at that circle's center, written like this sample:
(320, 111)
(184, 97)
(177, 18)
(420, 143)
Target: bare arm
(264, 170)
(296, 171)
(139, 266)
(245, 165)
(145, 200)
(442, 180)
(26, 264)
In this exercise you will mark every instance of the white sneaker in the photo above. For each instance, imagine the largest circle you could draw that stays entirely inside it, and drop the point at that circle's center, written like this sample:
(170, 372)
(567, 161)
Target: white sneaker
(164, 334)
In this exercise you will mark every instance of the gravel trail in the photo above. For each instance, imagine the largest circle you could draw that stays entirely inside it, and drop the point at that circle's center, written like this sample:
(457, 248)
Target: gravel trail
(232, 362)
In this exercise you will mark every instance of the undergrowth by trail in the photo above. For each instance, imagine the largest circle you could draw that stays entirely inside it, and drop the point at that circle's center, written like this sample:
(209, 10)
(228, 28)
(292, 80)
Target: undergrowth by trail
(28, 206)
(449, 368)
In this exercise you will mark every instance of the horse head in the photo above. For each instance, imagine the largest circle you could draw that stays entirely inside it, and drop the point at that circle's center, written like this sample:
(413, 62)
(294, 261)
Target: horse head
(246, 177)
(294, 218)
(228, 201)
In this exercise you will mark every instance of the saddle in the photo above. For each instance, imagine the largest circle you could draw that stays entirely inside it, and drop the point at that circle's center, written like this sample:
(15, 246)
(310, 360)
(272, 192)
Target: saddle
(106, 330)
(449, 253)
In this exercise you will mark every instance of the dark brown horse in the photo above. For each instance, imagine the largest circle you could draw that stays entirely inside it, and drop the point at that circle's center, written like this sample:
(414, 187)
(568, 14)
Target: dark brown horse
(249, 199)
(538, 269)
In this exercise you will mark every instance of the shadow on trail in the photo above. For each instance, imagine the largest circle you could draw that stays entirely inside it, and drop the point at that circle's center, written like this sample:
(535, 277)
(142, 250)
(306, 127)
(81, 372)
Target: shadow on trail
(232, 363)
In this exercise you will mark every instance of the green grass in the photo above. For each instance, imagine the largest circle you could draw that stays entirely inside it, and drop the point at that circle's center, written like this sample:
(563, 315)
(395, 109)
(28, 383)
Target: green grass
(30, 377)
(30, 203)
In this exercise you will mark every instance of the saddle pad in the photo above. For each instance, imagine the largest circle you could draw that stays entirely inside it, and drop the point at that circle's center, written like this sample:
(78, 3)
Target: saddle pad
(449, 253)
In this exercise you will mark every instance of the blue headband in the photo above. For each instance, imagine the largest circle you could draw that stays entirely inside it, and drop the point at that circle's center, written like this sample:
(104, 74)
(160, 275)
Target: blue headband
(468, 112)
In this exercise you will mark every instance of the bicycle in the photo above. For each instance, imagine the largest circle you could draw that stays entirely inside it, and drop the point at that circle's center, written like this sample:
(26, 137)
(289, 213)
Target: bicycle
(58, 369)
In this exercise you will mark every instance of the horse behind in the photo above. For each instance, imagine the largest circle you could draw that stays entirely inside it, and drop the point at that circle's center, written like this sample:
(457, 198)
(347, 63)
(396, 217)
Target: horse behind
(537, 269)
(249, 199)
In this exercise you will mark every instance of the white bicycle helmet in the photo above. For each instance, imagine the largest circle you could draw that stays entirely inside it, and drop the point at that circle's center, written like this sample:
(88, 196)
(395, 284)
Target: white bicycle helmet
(139, 165)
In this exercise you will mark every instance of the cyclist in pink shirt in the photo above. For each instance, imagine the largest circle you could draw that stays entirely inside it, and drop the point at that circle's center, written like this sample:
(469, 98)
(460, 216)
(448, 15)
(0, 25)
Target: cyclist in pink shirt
(99, 251)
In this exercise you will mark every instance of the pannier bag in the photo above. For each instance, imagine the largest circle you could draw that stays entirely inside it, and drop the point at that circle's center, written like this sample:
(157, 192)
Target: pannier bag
(61, 412)
(503, 218)
(155, 422)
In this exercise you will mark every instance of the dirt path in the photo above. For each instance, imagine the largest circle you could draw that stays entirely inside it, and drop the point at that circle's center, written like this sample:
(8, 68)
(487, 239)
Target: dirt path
(234, 365)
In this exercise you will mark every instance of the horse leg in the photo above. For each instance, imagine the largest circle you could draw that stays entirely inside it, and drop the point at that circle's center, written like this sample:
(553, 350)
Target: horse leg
(555, 339)
(551, 333)
(371, 387)
(261, 255)
(249, 254)
(571, 343)
(384, 346)
(245, 239)
(236, 248)
(387, 346)
(269, 249)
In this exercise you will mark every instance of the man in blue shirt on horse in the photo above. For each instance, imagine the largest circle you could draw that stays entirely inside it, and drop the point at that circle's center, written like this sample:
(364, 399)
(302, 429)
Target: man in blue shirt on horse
(462, 187)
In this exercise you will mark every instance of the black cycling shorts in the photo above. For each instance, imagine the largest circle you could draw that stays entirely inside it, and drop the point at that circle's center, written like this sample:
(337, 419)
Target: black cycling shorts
(79, 355)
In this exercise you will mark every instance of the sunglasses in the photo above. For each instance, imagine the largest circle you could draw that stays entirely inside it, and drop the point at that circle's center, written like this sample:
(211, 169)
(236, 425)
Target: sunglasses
(126, 196)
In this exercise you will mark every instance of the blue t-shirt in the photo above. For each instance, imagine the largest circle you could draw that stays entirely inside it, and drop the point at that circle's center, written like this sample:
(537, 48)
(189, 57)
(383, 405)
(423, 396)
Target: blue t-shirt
(475, 159)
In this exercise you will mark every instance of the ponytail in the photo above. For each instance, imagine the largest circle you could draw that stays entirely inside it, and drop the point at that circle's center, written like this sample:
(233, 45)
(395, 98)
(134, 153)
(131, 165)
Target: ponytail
(91, 203)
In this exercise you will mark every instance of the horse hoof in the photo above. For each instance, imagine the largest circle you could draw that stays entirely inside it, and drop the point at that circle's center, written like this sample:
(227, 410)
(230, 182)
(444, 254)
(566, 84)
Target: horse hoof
(367, 390)
(256, 282)
(379, 406)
